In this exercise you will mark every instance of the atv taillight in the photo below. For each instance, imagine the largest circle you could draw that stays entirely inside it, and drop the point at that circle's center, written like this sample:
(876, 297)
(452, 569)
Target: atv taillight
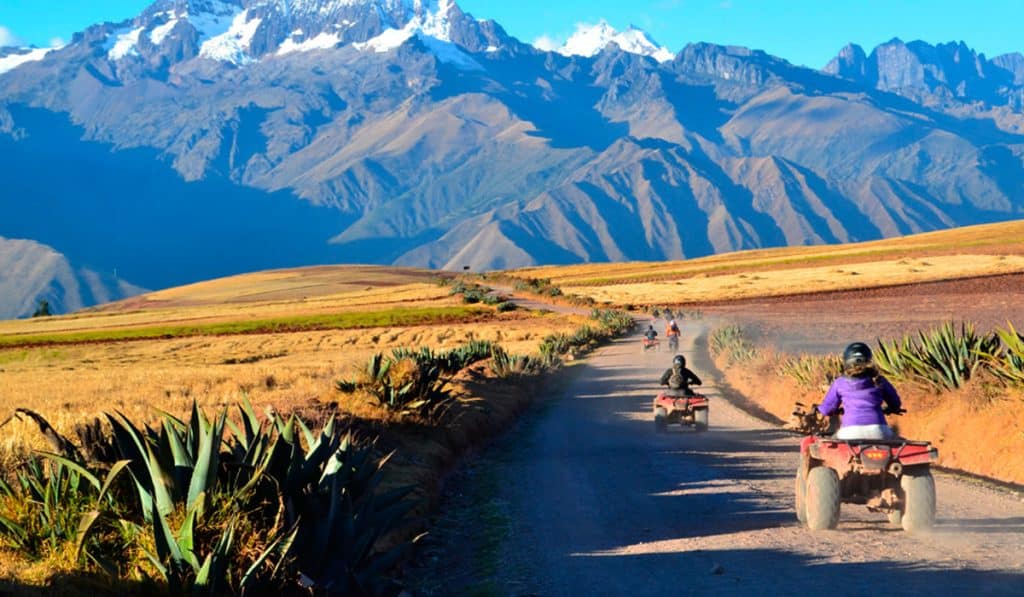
(875, 454)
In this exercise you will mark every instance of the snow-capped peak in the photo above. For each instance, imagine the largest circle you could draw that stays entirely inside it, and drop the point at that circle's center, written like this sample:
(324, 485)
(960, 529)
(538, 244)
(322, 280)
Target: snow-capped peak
(433, 27)
(588, 40)
(22, 56)
(224, 29)
(435, 24)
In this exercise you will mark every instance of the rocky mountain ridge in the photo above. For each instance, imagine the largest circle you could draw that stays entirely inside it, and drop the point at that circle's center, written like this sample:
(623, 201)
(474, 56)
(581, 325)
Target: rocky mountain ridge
(208, 137)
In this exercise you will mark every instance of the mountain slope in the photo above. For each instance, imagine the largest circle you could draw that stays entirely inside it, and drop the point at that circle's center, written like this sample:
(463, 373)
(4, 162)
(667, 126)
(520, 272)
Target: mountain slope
(30, 272)
(208, 137)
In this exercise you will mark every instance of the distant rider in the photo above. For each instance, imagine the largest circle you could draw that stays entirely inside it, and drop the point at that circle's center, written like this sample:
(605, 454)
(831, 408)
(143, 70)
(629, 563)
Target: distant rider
(861, 392)
(651, 333)
(678, 378)
(672, 329)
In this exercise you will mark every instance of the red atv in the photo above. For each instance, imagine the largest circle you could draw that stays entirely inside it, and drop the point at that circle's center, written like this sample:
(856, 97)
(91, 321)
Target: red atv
(673, 407)
(891, 476)
(649, 344)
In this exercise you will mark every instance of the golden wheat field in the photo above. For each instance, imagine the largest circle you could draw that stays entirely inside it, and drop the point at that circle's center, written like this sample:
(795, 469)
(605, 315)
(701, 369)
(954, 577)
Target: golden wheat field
(70, 382)
(952, 254)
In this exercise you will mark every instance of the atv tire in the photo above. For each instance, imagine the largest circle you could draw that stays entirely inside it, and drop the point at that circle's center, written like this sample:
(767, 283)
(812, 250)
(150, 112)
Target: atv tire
(800, 494)
(919, 501)
(700, 419)
(660, 420)
(822, 499)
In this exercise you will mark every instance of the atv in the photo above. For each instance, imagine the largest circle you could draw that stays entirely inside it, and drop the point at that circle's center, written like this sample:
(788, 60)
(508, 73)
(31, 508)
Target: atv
(891, 476)
(676, 407)
(649, 344)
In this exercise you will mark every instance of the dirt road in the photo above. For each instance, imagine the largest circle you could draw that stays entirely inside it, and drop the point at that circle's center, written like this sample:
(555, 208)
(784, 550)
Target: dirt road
(585, 499)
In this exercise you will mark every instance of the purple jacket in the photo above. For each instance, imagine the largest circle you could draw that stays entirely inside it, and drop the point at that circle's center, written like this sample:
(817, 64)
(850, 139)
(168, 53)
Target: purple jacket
(861, 399)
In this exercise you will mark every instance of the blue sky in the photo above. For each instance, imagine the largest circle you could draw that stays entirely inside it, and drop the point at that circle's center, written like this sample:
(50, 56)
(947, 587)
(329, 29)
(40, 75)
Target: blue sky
(807, 32)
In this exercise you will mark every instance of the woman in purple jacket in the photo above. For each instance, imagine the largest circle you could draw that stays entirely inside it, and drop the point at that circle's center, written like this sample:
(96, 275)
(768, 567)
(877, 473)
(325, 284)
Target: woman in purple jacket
(861, 392)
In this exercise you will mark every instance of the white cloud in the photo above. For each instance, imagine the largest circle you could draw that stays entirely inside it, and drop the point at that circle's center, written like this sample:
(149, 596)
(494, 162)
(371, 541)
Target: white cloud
(7, 38)
(58, 42)
(546, 43)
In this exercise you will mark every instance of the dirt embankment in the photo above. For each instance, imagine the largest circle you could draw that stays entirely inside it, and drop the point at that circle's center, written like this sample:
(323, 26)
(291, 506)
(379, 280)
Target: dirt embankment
(975, 433)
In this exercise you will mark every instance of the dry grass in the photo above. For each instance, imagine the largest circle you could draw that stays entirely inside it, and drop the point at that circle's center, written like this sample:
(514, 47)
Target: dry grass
(968, 251)
(813, 278)
(285, 370)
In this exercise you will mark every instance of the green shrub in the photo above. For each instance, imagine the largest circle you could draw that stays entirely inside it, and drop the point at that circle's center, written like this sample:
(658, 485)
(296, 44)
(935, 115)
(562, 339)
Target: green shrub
(613, 320)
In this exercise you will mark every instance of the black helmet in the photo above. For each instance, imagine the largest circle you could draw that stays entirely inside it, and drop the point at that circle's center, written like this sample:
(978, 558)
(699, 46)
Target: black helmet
(679, 361)
(857, 353)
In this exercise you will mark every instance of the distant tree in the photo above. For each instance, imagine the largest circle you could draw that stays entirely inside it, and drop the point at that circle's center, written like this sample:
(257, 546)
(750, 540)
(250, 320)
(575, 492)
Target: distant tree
(43, 310)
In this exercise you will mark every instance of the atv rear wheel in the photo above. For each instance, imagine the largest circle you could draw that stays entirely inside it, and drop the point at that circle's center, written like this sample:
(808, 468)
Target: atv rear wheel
(660, 420)
(700, 419)
(919, 501)
(800, 494)
(822, 499)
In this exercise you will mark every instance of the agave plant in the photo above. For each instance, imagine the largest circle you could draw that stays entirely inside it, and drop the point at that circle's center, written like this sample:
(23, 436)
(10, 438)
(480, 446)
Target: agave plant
(1007, 362)
(414, 382)
(507, 365)
(270, 503)
(811, 371)
(177, 465)
(730, 340)
(613, 320)
(941, 359)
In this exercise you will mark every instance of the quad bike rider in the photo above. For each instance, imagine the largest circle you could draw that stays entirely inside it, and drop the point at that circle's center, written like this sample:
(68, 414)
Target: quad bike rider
(679, 404)
(650, 338)
(864, 462)
(672, 331)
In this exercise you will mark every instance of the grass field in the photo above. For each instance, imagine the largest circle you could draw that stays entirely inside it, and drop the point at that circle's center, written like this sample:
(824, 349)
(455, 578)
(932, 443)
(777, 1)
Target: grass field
(282, 338)
(963, 252)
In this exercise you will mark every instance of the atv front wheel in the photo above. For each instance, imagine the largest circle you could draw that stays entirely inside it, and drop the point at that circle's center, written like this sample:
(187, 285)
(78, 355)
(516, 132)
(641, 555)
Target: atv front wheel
(919, 501)
(700, 419)
(660, 420)
(822, 499)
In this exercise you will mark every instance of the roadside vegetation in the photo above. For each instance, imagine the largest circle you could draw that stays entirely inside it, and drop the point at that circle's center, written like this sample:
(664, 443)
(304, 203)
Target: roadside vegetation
(962, 388)
(273, 461)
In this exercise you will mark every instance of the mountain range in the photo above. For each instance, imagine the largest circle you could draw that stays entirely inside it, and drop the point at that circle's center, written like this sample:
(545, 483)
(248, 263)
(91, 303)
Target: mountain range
(209, 137)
